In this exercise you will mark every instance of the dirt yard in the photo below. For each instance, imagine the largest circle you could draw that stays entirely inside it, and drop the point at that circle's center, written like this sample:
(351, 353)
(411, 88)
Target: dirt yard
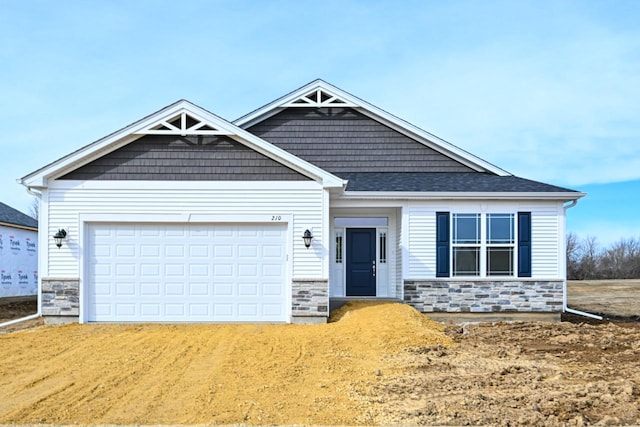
(375, 364)
(15, 308)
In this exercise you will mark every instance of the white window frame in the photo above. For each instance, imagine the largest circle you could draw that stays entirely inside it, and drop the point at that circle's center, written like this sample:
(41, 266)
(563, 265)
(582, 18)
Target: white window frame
(483, 245)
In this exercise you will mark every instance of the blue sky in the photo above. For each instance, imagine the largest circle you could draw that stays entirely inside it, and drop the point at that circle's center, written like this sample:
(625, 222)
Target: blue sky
(548, 90)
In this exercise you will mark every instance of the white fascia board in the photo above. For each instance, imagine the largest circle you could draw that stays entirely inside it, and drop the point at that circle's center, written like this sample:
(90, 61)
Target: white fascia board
(375, 113)
(88, 153)
(434, 195)
(94, 150)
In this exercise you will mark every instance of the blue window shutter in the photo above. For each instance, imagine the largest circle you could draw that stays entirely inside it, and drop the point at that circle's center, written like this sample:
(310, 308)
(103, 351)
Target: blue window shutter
(524, 244)
(442, 244)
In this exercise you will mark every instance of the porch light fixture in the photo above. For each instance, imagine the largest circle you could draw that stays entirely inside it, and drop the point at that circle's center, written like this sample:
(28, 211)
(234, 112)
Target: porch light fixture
(59, 237)
(307, 238)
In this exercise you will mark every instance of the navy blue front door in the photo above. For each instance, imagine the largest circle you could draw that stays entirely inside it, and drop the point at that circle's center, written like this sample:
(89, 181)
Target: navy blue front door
(361, 262)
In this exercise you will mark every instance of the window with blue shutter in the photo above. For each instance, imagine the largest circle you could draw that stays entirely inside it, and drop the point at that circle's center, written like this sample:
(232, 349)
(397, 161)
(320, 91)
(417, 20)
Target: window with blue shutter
(524, 244)
(442, 244)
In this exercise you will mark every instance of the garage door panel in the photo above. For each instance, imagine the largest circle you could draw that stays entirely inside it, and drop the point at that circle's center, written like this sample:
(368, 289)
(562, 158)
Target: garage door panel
(150, 289)
(125, 231)
(223, 289)
(198, 273)
(150, 270)
(199, 251)
(199, 270)
(150, 310)
(150, 251)
(174, 251)
(198, 289)
(247, 251)
(125, 309)
(125, 270)
(125, 289)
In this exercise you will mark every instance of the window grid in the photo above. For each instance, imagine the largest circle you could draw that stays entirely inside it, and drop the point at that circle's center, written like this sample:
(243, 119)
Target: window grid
(483, 245)
(500, 243)
(339, 247)
(466, 244)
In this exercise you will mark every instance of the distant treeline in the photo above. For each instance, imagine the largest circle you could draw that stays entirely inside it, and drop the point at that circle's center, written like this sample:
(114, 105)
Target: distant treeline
(586, 260)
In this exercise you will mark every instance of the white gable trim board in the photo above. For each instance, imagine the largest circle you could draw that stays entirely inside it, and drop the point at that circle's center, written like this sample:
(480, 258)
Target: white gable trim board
(149, 125)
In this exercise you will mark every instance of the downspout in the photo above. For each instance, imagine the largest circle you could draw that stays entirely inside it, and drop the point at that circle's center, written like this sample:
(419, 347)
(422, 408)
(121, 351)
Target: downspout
(565, 308)
(39, 310)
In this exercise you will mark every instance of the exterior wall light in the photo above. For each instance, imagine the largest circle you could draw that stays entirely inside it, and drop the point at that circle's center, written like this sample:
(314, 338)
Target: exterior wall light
(59, 237)
(307, 238)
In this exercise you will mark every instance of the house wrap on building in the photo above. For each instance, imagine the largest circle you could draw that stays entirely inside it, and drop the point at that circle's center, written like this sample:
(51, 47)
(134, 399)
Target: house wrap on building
(317, 197)
(18, 253)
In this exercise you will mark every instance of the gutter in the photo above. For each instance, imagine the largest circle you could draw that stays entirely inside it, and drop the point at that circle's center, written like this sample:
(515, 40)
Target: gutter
(565, 308)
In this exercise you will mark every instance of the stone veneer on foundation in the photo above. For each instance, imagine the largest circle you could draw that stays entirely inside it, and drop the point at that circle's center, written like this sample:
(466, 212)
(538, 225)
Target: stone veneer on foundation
(310, 298)
(60, 297)
(484, 296)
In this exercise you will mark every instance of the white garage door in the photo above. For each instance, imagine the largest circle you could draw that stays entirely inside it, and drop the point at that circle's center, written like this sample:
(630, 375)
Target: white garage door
(186, 273)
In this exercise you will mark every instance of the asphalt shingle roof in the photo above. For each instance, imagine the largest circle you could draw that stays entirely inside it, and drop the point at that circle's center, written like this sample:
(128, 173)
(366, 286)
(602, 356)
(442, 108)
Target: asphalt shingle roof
(10, 215)
(444, 182)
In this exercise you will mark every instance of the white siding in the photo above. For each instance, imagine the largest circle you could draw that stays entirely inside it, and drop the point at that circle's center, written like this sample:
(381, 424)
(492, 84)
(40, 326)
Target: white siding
(422, 244)
(547, 234)
(303, 201)
(545, 244)
(398, 278)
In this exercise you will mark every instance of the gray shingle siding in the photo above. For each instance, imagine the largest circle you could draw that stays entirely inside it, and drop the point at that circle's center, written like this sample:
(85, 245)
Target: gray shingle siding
(189, 158)
(342, 140)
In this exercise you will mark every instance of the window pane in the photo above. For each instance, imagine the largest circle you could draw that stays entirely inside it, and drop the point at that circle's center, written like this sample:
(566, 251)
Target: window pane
(361, 222)
(466, 228)
(466, 261)
(500, 261)
(500, 228)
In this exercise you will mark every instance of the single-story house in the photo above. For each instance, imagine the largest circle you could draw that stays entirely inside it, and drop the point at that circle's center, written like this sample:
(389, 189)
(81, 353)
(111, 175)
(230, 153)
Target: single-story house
(315, 198)
(18, 253)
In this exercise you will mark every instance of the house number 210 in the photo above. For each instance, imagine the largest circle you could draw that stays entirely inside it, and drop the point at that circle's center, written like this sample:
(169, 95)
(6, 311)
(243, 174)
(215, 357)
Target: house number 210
(276, 218)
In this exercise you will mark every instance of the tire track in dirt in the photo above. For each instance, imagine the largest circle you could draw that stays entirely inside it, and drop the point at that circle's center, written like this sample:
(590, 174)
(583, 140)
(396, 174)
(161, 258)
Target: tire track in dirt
(207, 374)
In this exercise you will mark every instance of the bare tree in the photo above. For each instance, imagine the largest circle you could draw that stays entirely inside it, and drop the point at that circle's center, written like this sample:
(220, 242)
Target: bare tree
(34, 209)
(622, 259)
(587, 261)
(573, 256)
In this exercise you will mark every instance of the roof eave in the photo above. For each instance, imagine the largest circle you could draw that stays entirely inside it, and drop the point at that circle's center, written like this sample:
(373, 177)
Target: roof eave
(22, 227)
(459, 195)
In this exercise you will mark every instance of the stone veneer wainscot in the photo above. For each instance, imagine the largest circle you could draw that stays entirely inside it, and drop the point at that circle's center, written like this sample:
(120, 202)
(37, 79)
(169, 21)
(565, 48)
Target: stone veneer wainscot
(60, 297)
(310, 298)
(483, 296)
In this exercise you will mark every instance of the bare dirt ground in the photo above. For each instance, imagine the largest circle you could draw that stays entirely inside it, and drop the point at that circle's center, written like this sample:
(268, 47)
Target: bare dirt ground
(14, 308)
(376, 364)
